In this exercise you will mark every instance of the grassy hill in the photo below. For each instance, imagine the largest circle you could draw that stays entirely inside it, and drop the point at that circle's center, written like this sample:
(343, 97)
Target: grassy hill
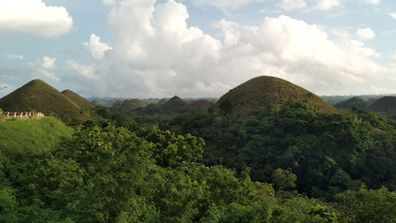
(384, 104)
(355, 102)
(130, 104)
(266, 93)
(77, 99)
(39, 96)
(32, 136)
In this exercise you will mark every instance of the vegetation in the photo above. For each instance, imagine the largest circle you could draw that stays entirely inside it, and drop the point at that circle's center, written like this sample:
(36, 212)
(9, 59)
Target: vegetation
(292, 162)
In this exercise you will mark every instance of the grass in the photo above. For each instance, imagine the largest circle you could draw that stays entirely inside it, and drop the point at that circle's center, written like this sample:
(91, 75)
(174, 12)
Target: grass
(32, 136)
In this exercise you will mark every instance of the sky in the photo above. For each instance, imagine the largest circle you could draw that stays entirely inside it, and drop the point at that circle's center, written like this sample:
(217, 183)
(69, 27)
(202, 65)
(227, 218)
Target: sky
(197, 48)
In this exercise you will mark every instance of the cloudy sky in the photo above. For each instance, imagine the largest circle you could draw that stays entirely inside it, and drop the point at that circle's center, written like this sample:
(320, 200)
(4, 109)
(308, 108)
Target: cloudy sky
(198, 48)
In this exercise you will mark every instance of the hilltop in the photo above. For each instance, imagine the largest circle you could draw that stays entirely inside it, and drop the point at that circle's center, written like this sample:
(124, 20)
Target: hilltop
(40, 96)
(266, 93)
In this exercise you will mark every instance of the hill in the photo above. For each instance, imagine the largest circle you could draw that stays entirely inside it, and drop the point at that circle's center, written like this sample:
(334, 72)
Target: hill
(266, 93)
(174, 104)
(32, 136)
(384, 104)
(130, 104)
(77, 99)
(355, 102)
(39, 96)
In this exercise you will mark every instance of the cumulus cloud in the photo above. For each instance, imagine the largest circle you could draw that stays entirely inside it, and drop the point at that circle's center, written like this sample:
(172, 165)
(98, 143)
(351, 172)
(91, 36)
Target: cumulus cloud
(84, 70)
(292, 4)
(156, 53)
(95, 47)
(34, 17)
(46, 63)
(393, 15)
(44, 67)
(365, 34)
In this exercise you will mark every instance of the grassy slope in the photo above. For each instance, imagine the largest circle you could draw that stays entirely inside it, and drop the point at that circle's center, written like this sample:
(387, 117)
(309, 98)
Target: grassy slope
(32, 136)
(77, 99)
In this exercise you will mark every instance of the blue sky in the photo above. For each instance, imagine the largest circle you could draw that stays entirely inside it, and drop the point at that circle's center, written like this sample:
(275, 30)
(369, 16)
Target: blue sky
(197, 48)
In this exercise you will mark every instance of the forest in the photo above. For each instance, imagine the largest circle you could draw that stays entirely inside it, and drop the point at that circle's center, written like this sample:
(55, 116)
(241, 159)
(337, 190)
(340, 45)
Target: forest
(293, 162)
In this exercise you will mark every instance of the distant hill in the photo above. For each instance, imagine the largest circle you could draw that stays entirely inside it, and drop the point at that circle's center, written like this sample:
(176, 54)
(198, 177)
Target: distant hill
(130, 104)
(384, 104)
(39, 96)
(200, 104)
(264, 94)
(175, 103)
(355, 102)
(77, 99)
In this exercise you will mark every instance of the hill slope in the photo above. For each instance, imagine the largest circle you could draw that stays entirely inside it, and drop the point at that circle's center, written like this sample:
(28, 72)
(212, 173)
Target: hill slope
(39, 96)
(266, 93)
(77, 99)
(32, 136)
(384, 104)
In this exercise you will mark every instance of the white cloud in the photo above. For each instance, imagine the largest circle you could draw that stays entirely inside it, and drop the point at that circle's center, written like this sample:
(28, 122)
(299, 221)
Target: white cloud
(95, 47)
(393, 15)
(156, 53)
(44, 67)
(292, 4)
(34, 17)
(365, 34)
(225, 5)
(46, 63)
(327, 4)
(84, 70)
(14, 56)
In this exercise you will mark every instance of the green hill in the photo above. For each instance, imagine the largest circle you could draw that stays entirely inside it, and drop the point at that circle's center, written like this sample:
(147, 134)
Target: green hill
(39, 96)
(355, 102)
(264, 94)
(130, 104)
(77, 99)
(174, 104)
(384, 104)
(31, 136)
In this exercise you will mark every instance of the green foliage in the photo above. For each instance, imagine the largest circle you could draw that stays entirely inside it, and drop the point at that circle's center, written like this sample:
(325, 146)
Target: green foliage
(284, 179)
(367, 206)
(109, 174)
(327, 152)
